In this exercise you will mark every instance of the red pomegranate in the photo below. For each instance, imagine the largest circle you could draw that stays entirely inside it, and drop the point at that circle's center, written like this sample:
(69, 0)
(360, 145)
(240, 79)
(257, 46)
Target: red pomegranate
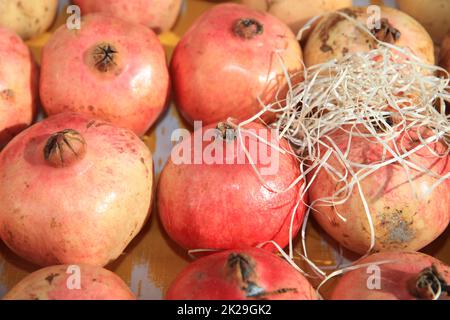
(407, 276)
(71, 282)
(230, 57)
(18, 86)
(110, 69)
(405, 214)
(160, 15)
(241, 275)
(209, 195)
(73, 190)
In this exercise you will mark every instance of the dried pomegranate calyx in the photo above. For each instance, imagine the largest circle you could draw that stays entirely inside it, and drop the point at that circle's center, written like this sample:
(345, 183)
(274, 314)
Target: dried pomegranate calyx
(386, 32)
(64, 148)
(226, 131)
(242, 267)
(105, 56)
(248, 28)
(430, 285)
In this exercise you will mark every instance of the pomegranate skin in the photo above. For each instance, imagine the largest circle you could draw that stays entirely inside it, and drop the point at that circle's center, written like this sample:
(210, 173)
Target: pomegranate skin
(160, 15)
(52, 283)
(335, 36)
(18, 86)
(444, 58)
(218, 74)
(225, 206)
(402, 221)
(28, 18)
(245, 274)
(109, 69)
(397, 279)
(85, 211)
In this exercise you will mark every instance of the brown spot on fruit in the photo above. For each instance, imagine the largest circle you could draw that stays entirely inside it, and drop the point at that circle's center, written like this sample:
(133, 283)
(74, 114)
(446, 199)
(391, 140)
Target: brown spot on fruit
(7, 94)
(248, 28)
(329, 24)
(326, 48)
(90, 123)
(397, 228)
(54, 223)
(51, 276)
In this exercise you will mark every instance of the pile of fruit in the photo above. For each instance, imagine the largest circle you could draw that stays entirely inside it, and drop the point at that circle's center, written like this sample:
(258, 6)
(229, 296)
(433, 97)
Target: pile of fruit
(326, 110)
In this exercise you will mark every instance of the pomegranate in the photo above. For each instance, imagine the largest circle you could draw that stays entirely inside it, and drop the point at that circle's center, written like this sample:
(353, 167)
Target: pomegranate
(73, 190)
(64, 282)
(110, 69)
(405, 214)
(160, 15)
(335, 36)
(433, 15)
(228, 59)
(240, 275)
(407, 276)
(28, 18)
(295, 13)
(445, 53)
(212, 197)
(18, 86)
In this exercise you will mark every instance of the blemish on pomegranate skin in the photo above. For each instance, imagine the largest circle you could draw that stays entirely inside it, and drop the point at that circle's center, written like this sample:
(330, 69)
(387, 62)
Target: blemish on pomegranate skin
(101, 124)
(10, 235)
(54, 224)
(199, 275)
(90, 123)
(7, 94)
(326, 48)
(399, 230)
(50, 277)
